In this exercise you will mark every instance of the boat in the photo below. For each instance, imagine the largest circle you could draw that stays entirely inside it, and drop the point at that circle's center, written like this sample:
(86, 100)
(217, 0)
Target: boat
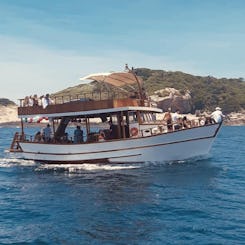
(126, 128)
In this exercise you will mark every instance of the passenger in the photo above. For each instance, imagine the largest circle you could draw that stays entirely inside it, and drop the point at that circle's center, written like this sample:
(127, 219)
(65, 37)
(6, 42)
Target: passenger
(38, 137)
(40, 100)
(101, 136)
(43, 101)
(113, 130)
(168, 119)
(30, 101)
(65, 138)
(35, 100)
(46, 100)
(208, 120)
(217, 116)
(49, 100)
(78, 135)
(176, 120)
(185, 122)
(26, 101)
(47, 133)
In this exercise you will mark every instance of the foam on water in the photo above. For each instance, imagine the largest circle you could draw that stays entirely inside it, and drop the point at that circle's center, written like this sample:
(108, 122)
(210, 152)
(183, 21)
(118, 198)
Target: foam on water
(74, 168)
(11, 162)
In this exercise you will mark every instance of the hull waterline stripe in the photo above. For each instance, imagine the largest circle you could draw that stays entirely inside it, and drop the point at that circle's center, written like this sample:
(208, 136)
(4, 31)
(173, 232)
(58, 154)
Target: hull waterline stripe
(98, 160)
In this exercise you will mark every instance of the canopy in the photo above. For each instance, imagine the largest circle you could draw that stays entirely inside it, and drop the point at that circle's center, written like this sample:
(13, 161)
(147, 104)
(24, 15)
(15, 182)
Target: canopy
(117, 79)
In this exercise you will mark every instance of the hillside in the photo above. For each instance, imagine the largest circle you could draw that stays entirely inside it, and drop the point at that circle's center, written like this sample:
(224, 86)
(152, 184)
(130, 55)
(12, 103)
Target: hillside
(8, 111)
(206, 92)
(6, 102)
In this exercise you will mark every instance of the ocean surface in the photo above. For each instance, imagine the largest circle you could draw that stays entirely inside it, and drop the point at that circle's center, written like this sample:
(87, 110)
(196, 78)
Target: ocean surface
(189, 202)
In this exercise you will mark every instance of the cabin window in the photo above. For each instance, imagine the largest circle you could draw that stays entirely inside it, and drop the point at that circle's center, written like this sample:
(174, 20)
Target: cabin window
(132, 117)
(147, 117)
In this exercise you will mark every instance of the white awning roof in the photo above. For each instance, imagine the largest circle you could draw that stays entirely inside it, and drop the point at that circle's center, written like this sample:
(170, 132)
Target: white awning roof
(117, 79)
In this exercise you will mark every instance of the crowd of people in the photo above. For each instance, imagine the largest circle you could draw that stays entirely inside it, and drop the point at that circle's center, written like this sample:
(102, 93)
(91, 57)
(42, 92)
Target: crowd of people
(34, 100)
(174, 121)
(46, 136)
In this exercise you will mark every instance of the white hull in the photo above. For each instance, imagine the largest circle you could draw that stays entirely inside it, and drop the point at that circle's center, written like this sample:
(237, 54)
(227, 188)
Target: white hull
(178, 145)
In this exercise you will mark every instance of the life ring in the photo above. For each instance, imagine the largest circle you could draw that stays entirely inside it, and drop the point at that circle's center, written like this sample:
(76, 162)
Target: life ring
(134, 131)
(202, 122)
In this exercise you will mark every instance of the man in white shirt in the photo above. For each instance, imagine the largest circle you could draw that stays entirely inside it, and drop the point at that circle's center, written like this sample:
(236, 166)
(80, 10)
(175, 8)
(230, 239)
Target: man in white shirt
(217, 116)
(175, 117)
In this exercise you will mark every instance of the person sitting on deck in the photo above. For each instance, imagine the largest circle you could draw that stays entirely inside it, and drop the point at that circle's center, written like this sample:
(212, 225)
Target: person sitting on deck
(47, 133)
(185, 122)
(38, 137)
(66, 138)
(176, 120)
(101, 136)
(78, 135)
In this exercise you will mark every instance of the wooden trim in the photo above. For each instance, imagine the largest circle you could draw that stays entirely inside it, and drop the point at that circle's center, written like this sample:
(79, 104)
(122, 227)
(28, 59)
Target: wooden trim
(77, 106)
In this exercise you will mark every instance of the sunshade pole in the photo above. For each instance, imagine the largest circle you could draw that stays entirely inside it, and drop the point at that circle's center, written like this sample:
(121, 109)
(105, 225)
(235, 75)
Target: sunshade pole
(137, 80)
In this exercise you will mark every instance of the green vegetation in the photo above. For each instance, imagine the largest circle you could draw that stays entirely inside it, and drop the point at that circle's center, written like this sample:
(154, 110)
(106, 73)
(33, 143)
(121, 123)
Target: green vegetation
(207, 92)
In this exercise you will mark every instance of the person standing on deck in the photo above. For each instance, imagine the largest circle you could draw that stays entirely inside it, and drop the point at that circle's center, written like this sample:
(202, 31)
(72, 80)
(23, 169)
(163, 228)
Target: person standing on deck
(168, 119)
(217, 116)
(47, 133)
(78, 135)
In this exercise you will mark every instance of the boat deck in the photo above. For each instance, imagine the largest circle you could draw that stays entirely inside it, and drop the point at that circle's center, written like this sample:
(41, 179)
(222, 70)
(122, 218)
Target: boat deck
(77, 106)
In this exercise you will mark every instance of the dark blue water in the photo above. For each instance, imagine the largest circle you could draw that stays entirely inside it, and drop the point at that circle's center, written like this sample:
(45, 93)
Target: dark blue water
(195, 202)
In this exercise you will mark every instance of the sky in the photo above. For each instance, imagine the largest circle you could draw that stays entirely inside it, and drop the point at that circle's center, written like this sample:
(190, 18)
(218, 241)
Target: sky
(46, 46)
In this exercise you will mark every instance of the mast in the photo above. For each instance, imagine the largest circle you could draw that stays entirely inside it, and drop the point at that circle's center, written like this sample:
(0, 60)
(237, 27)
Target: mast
(137, 80)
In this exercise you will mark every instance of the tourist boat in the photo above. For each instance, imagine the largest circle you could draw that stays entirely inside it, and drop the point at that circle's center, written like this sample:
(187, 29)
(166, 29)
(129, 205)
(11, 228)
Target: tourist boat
(138, 136)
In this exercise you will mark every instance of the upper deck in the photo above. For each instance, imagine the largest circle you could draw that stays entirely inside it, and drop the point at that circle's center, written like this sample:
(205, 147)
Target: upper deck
(97, 102)
(81, 107)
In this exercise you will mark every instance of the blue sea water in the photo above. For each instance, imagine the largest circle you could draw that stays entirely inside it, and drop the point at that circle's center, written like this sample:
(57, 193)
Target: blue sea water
(189, 202)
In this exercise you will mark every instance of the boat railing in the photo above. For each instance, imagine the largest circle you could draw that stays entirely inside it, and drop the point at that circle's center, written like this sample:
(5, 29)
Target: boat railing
(159, 127)
(83, 97)
(62, 99)
(144, 131)
(88, 96)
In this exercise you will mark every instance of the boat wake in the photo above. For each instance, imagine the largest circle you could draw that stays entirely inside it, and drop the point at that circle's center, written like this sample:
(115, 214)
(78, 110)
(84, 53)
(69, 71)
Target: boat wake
(12, 162)
(76, 168)
(85, 167)
(96, 167)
